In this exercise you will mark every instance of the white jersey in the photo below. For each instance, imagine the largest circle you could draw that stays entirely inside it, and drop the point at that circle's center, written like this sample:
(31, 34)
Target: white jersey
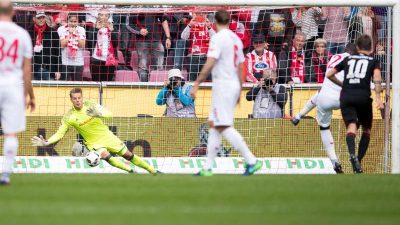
(226, 47)
(15, 45)
(328, 87)
(81, 35)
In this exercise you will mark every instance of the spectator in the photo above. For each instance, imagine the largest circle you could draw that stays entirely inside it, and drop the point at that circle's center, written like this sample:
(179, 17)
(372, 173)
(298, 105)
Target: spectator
(319, 58)
(59, 18)
(175, 94)
(46, 57)
(336, 20)
(365, 22)
(240, 30)
(293, 68)
(147, 28)
(198, 32)
(124, 38)
(308, 18)
(72, 41)
(177, 25)
(103, 60)
(277, 26)
(259, 59)
(269, 97)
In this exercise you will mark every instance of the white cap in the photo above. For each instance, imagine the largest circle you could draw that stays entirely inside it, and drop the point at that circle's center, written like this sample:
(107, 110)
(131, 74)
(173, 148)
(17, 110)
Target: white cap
(174, 73)
(39, 14)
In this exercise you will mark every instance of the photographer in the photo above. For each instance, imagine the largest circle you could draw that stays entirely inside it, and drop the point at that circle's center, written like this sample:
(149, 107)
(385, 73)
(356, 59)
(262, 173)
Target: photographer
(269, 97)
(175, 94)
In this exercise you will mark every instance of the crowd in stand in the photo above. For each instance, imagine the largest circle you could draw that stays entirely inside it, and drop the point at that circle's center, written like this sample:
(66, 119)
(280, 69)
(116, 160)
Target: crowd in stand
(97, 44)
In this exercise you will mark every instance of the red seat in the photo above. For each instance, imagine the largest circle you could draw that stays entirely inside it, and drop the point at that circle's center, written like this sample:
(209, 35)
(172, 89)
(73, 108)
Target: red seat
(121, 59)
(86, 74)
(126, 76)
(158, 75)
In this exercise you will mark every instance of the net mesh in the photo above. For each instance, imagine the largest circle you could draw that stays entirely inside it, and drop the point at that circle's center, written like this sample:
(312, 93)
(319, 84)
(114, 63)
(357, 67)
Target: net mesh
(126, 59)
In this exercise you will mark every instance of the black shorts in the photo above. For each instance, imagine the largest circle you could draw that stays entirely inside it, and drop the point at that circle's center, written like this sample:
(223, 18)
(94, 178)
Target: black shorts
(357, 110)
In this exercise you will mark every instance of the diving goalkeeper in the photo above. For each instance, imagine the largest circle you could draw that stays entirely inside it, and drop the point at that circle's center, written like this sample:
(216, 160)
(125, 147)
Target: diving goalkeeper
(85, 117)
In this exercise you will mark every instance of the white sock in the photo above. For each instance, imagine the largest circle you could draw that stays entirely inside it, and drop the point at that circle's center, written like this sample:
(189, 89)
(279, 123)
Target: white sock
(213, 145)
(237, 141)
(10, 151)
(311, 103)
(329, 146)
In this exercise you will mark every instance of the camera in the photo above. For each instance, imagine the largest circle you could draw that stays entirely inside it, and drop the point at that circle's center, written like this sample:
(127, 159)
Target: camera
(268, 83)
(173, 83)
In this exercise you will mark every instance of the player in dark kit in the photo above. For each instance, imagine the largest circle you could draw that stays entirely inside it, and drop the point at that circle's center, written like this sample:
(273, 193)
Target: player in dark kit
(355, 98)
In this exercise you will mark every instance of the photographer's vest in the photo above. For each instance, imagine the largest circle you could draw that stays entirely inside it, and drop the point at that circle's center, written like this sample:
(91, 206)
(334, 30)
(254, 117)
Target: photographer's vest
(265, 106)
(175, 108)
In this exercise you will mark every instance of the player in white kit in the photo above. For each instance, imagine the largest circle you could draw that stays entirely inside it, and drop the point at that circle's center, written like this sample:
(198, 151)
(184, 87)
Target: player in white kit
(15, 84)
(327, 100)
(225, 61)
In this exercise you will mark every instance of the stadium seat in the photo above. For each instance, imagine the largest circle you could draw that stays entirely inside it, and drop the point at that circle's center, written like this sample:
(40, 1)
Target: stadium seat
(86, 74)
(158, 75)
(121, 59)
(126, 76)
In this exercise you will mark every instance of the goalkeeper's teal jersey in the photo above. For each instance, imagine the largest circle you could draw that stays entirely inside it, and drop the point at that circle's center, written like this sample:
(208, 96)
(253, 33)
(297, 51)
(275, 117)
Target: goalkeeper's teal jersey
(92, 129)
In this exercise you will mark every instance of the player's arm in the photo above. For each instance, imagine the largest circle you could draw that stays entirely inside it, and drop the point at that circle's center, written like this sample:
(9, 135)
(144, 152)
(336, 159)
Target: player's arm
(28, 89)
(378, 88)
(331, 76)
(40, 141)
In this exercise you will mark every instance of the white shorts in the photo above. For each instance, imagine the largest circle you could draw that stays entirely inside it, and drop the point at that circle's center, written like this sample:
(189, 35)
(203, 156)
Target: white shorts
(223, 103)
(12, 109)
(325, 105)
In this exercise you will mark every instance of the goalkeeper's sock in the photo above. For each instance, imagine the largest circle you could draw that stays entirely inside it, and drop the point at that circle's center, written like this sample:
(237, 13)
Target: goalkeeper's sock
(113, 161)
(329, 146)
(351, 143)
(237, 141)
(311, 103)
(214, 143)
(143, 164)
(363, 145)
(10, 151)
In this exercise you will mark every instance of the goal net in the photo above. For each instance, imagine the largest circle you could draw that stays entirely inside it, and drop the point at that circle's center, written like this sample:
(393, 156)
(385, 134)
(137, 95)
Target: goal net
(128, 51)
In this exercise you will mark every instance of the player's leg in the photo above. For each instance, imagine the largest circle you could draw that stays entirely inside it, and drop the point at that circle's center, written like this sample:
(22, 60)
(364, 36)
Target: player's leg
(224, 114)
(349, 115)
(311, 103)
(136, 160)
(324, 117)
(13, 121)
(213, 144)
(113, 161)
(365, 116)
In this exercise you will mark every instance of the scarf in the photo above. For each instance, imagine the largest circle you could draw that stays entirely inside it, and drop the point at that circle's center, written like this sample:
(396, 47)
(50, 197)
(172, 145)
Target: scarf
(297, 67)
(319, 66)
(105, 31)
(39, 31)
(72, 47)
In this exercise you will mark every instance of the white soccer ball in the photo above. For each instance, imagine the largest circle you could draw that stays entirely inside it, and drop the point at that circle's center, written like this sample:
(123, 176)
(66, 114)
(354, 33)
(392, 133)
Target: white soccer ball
(93, 158)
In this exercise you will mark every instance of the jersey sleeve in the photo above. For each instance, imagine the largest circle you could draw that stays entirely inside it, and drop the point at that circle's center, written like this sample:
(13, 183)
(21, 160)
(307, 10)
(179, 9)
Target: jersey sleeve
(27, 52)
(339, 67)
(214, 50)
(62, 130)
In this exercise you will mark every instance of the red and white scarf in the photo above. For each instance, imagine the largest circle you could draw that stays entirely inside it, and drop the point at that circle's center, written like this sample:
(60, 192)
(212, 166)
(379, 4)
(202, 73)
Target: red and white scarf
(72, 47)
(297, 67)
(105, 31)
(39, 31)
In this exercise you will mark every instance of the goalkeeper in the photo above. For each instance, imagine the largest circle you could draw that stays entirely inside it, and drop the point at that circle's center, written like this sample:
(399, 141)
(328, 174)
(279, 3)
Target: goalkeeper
(85, 117)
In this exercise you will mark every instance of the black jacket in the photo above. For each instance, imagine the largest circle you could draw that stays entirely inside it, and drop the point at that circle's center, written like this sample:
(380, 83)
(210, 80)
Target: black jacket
(285, 62)
(49, 57)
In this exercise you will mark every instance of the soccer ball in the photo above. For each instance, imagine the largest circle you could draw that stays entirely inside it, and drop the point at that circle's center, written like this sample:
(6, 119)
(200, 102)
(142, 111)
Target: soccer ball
(93, 158)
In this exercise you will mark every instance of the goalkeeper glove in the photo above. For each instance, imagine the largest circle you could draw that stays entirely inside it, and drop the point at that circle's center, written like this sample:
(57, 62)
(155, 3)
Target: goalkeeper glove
(39, 141)
(93, 111)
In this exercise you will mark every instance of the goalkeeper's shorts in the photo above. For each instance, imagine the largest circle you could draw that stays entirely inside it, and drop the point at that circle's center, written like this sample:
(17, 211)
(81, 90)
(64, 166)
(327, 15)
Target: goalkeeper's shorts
(114, 146)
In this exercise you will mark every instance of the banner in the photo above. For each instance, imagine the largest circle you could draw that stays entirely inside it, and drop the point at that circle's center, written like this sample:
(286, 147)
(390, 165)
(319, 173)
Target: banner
(172, 165)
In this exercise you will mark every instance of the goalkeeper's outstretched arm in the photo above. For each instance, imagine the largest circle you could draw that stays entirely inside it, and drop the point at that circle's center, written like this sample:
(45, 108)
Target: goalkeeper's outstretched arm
(40, 141)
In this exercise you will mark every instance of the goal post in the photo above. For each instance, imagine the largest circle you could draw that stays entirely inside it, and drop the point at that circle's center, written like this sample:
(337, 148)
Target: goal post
(395, 4)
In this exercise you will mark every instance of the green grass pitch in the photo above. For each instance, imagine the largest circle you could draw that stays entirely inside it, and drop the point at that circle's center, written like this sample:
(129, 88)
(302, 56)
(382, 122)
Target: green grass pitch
(121, 199)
